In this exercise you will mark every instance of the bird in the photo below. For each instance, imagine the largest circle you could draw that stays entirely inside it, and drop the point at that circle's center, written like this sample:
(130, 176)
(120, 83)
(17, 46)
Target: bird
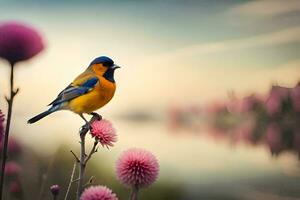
(88, 92)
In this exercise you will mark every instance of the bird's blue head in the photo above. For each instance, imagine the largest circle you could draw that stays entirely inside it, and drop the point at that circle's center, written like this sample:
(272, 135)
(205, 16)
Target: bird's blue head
(104, 60)
(104, 66)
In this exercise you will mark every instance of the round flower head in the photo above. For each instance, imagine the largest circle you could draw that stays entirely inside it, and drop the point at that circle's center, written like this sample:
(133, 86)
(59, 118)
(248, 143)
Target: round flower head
(55, 189)
(98, 193)
(19, 42)
(137, 168)
(104, 132)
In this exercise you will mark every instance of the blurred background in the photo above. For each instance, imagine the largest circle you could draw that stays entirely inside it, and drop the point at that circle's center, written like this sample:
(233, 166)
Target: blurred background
(210, 87)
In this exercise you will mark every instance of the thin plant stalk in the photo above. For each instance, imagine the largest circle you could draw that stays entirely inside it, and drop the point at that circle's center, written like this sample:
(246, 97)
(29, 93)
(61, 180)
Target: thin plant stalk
(134, 193)
(71, 181)
(84, 158)
(9, 100)
(81, 164)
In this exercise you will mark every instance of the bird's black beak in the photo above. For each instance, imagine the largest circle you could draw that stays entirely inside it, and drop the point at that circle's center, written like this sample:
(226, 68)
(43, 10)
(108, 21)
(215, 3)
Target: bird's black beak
(116, 67)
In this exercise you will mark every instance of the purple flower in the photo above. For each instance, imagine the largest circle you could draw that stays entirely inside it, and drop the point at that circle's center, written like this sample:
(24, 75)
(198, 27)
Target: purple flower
(98, 193)
(55, 189)
(19, 42)
(137, 168)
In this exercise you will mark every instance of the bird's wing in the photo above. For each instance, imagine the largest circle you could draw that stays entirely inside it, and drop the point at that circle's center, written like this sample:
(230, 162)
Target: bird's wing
(80, 86)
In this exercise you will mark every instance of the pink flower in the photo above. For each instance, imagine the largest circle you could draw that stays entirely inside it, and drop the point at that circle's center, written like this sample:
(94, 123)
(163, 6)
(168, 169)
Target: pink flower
(137, 168)
(98, 193)
(19, 42)
(104, 132)
(14, 147)
(2, 127)
(12, 169)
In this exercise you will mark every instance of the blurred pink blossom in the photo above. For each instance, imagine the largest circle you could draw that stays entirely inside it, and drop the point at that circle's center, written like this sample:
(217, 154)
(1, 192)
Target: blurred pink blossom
(104, 132)
(137, 168)
(98, 193)
(14, 147)
(19, 42)
(12, 169)
(276, 97)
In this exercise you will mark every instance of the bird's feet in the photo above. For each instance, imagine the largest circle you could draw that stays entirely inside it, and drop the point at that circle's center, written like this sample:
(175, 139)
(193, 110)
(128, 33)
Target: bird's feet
(96, 116)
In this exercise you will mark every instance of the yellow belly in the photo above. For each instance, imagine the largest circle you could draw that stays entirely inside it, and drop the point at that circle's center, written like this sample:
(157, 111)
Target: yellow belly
(94, 99)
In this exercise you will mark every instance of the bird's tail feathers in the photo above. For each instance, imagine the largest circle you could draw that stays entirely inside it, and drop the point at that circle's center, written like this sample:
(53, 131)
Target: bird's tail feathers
(42, 115)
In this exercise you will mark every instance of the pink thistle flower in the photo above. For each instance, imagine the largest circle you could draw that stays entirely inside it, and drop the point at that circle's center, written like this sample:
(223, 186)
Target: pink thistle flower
(137, 168)
(12, 169)
(104, 132)
(98, 193)
(19, 42)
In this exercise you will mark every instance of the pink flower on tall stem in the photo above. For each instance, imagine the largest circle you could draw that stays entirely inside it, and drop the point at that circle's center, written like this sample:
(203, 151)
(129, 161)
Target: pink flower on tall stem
(19, 42)
(137, 168)
(104, 132)
(98, 193)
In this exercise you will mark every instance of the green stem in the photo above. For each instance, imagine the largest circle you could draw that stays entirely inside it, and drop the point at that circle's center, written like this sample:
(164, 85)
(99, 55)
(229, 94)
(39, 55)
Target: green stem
(8, 120)
(134, 193)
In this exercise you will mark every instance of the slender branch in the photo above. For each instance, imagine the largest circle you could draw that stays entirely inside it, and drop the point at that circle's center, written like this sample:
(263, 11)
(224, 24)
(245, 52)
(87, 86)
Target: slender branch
(91, 180)
(9, 100)
(83, 157)
(93, 150)
(82, 164)
(71, 180)
(45, 177)
(75, 156)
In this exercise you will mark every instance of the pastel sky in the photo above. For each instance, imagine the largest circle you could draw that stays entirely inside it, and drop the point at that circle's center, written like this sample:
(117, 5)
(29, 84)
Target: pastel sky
(170, 52)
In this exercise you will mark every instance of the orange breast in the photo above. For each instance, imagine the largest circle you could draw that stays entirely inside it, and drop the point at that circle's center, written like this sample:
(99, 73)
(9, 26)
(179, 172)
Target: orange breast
(95, 99)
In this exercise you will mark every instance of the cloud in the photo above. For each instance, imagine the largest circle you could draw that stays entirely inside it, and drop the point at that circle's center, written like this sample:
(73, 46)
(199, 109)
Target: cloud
(286, 36)
(266, 8)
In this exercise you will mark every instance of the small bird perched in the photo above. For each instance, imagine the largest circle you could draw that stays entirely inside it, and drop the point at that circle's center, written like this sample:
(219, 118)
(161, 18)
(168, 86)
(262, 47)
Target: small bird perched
(90, 91)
